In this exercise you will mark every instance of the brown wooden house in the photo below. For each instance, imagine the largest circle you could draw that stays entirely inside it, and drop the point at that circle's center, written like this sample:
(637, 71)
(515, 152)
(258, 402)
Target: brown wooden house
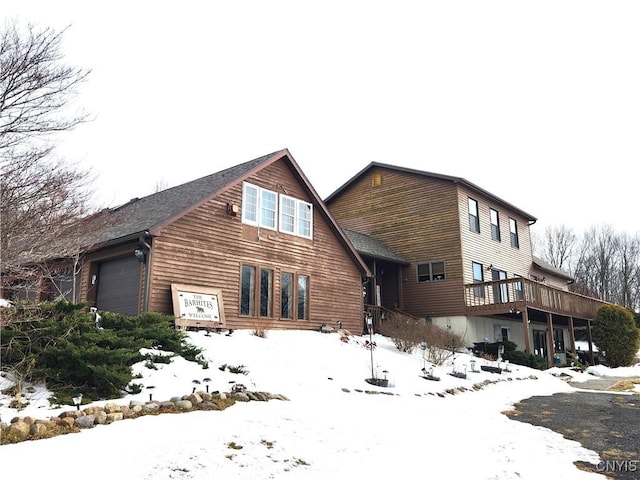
(255, 238)
(445, 250)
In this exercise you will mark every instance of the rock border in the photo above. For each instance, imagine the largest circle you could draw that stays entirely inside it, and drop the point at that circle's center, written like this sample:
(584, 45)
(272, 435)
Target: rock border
(28, 428)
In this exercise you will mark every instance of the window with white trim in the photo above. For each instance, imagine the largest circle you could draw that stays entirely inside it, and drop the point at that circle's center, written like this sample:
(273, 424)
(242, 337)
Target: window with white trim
(296, 217)
(259, 206)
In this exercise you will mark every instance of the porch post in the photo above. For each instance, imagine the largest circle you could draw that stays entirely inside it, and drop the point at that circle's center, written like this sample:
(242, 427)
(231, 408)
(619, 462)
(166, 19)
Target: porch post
(572, 337)
(525, 329)
(591, 359)
(550, 342)
(374, 297)
(400, 288)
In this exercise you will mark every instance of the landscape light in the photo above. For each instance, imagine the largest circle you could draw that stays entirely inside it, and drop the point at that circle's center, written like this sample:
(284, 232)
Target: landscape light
(77, 400)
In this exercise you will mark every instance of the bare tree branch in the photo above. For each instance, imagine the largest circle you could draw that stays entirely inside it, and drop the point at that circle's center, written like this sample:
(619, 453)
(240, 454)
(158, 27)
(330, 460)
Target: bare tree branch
(42, 198)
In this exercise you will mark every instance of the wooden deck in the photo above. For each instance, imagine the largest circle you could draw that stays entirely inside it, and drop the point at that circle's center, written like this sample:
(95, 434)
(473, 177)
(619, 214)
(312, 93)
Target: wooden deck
(507, 296)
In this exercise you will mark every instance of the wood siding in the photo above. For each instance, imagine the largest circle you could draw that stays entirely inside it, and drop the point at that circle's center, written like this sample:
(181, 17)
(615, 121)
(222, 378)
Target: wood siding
(418, 218)
(208, 247)
(481, 248)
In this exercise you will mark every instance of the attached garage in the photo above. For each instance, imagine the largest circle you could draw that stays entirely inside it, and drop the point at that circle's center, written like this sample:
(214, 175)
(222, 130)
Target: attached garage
(118, 285)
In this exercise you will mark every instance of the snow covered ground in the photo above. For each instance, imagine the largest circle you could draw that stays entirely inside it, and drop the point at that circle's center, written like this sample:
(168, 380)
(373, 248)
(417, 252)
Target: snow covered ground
(332, 426)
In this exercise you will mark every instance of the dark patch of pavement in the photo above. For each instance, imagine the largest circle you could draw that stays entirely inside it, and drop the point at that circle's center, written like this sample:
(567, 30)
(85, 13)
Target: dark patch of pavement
(601, 420)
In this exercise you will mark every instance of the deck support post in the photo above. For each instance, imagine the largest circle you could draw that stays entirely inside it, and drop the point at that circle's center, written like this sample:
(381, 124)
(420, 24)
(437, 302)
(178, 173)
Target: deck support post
(572, 337)
(550, 342)
(525, 329)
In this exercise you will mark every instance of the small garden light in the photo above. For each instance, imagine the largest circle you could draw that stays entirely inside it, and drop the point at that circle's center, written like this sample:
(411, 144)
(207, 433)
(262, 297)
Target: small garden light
(206, 381)
(77, 400)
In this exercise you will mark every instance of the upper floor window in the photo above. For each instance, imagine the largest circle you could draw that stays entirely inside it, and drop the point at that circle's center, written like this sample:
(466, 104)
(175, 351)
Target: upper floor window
(474, 220)
(495, 224)
(296, 217)
(259, 206)
(513, 229)
(431, 272)
(376, 179)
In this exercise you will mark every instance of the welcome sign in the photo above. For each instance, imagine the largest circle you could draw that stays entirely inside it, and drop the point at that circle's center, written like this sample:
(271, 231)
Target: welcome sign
(197, 306)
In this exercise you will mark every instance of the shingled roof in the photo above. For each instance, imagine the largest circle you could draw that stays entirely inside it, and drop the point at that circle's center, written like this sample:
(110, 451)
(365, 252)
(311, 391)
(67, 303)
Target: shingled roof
(141, 215)
(370, 247)
(547, 267)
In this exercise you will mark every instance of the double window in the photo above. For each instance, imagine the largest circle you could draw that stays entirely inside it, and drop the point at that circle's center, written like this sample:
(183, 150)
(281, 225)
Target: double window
(431, 271)
(256, 290)
(296, 216)
(297, 305)
(257, 293)
(260, 208)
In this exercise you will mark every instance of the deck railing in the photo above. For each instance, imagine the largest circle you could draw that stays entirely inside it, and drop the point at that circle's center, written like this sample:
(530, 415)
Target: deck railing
(381, 314)
(500, 295)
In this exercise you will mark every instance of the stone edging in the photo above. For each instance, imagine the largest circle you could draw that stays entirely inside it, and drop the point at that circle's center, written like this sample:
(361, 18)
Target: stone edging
(27, 428)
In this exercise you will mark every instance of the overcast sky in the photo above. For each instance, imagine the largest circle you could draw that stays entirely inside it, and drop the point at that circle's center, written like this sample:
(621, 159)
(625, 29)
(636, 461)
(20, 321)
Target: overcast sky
(537, 102)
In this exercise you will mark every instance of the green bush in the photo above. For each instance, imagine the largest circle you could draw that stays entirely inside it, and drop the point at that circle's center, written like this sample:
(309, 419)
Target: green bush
(519, 357)
(616, 334)
(60, 345)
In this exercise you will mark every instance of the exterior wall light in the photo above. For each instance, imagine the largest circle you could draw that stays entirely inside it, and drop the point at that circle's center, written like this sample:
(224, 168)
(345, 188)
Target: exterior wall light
(139, 254)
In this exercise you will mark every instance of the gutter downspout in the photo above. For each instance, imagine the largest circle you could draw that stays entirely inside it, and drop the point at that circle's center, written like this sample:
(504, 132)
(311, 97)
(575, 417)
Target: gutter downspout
(147, 271)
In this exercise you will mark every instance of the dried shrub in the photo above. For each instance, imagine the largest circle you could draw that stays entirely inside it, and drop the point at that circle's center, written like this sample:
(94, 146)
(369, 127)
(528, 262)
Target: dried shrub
(406, 333)
(259, 330)
(441, 343)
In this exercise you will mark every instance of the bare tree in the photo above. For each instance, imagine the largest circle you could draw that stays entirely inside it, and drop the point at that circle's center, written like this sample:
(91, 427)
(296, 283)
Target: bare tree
(626, 287)
(597, 263)
(557, 247)
(161, 185)
(41, 197)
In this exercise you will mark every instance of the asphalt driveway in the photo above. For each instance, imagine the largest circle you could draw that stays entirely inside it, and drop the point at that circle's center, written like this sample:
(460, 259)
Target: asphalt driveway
(600, 420)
